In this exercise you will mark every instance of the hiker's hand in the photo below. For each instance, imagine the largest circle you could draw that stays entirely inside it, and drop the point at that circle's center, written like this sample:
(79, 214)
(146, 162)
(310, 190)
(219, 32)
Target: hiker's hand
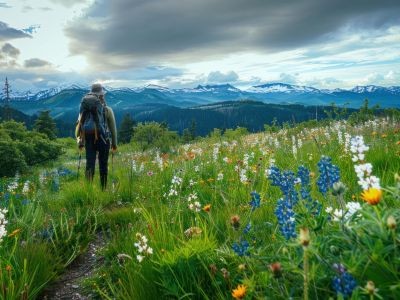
(81, 147)
(114, 148)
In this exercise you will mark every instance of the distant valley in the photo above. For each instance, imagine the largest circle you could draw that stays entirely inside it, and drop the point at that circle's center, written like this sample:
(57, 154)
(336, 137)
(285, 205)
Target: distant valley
(211, 106)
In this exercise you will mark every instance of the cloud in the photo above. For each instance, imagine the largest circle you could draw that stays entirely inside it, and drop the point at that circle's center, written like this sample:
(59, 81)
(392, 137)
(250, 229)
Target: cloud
(135, 30)
(67, 3)
(219, 77)
(4, 5)
(289, 78)
(36, 63)
(10, 50)
(31, 29)
(8, 33)
(8, 56)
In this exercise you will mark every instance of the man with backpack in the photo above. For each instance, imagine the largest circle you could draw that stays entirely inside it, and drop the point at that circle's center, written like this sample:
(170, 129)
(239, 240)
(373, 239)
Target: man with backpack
(95, 126)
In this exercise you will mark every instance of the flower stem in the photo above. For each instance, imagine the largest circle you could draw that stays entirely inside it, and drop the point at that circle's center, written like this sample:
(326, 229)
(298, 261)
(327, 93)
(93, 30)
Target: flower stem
(306, 270)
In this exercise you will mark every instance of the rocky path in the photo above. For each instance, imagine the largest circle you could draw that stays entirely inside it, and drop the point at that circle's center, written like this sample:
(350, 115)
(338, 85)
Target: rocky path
(68, 286)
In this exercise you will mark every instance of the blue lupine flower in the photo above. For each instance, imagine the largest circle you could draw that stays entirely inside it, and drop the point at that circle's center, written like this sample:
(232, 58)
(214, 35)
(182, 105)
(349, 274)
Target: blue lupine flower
(247, 228)
(284, 209)
(255, 200)
(286, 218)
(313, 206)
(241, 248)
(343, 283)
(329, 174)
(285, 181)
(25, 201)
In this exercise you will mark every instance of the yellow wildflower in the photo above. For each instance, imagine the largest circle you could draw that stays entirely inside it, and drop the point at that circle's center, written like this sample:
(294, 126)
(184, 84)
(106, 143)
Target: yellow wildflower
(239, 292)
(372, 196)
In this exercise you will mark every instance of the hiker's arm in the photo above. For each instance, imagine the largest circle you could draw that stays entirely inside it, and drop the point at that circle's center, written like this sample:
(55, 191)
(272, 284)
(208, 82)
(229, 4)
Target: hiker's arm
(112, 126)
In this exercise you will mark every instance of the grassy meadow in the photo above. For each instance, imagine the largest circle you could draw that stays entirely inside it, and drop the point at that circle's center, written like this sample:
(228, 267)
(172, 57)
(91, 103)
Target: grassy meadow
(308, 212)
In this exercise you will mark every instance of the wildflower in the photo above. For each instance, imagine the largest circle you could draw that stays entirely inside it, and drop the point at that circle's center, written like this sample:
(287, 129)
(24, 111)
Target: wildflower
(241, 248)
(372, 196)
(8, 268)
(255, 200)
(239, 292)
(304, 238)
(25, 189)
(241, 267)
(196, 206)
(338, 188)
(276, 269)
(391, 222)
(3, 223)
(225, 273)
(247, 228)
(235, 222)
(313, 206)
(370, 287)
(207, 208)
(220, 176)
(343, 283)
(329, 174)
(142, 247)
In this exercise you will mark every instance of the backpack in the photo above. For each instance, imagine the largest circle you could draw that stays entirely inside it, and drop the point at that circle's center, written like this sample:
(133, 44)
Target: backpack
(93, 118)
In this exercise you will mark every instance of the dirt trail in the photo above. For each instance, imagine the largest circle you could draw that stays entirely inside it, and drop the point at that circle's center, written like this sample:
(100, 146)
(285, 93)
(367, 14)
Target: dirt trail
(68, 285)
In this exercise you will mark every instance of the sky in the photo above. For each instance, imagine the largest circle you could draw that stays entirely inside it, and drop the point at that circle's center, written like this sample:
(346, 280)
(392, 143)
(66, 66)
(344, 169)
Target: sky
(184, 43)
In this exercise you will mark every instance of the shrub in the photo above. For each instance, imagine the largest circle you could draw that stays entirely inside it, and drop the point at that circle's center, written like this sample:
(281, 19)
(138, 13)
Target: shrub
(21, 148)
(12, 160)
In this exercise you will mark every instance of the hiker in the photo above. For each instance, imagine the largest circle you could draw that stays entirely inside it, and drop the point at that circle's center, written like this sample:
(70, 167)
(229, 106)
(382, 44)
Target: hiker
(95, 126)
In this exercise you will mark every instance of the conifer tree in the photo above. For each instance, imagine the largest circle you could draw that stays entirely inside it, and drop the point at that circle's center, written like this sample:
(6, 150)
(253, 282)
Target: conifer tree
(45, 124)
(126, 129)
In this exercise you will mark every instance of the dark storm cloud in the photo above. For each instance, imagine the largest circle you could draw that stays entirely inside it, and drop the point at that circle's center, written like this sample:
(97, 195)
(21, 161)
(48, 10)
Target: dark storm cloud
(36, 63)
(9, 33)
(126, 31)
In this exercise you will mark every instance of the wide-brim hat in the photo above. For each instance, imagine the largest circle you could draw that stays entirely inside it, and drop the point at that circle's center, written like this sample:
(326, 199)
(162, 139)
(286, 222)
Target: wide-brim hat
(97, 89)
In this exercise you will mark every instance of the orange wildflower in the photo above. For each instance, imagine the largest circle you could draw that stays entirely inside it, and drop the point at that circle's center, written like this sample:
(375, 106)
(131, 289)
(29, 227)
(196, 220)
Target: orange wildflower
(372, 196)
(207, 208)
(239, 292)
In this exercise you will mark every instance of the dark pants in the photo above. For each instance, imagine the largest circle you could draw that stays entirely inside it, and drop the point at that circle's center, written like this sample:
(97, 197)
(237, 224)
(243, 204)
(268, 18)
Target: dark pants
(92, 148)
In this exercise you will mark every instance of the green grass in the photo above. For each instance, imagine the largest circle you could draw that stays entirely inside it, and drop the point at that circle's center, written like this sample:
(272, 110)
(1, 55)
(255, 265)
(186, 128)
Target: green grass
(58, 222)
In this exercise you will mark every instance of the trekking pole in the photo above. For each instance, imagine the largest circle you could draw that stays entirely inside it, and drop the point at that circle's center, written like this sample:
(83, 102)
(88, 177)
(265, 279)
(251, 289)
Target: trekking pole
(79, 162)
(112, 164)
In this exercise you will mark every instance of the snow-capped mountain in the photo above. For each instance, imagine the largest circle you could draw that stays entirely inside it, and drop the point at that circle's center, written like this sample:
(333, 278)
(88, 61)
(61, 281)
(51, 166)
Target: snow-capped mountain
(205, 94)
(281, 88)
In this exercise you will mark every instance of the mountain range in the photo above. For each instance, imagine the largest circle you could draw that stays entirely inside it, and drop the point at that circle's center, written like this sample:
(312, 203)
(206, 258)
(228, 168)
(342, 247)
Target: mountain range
(278, 93)
(211, 106)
